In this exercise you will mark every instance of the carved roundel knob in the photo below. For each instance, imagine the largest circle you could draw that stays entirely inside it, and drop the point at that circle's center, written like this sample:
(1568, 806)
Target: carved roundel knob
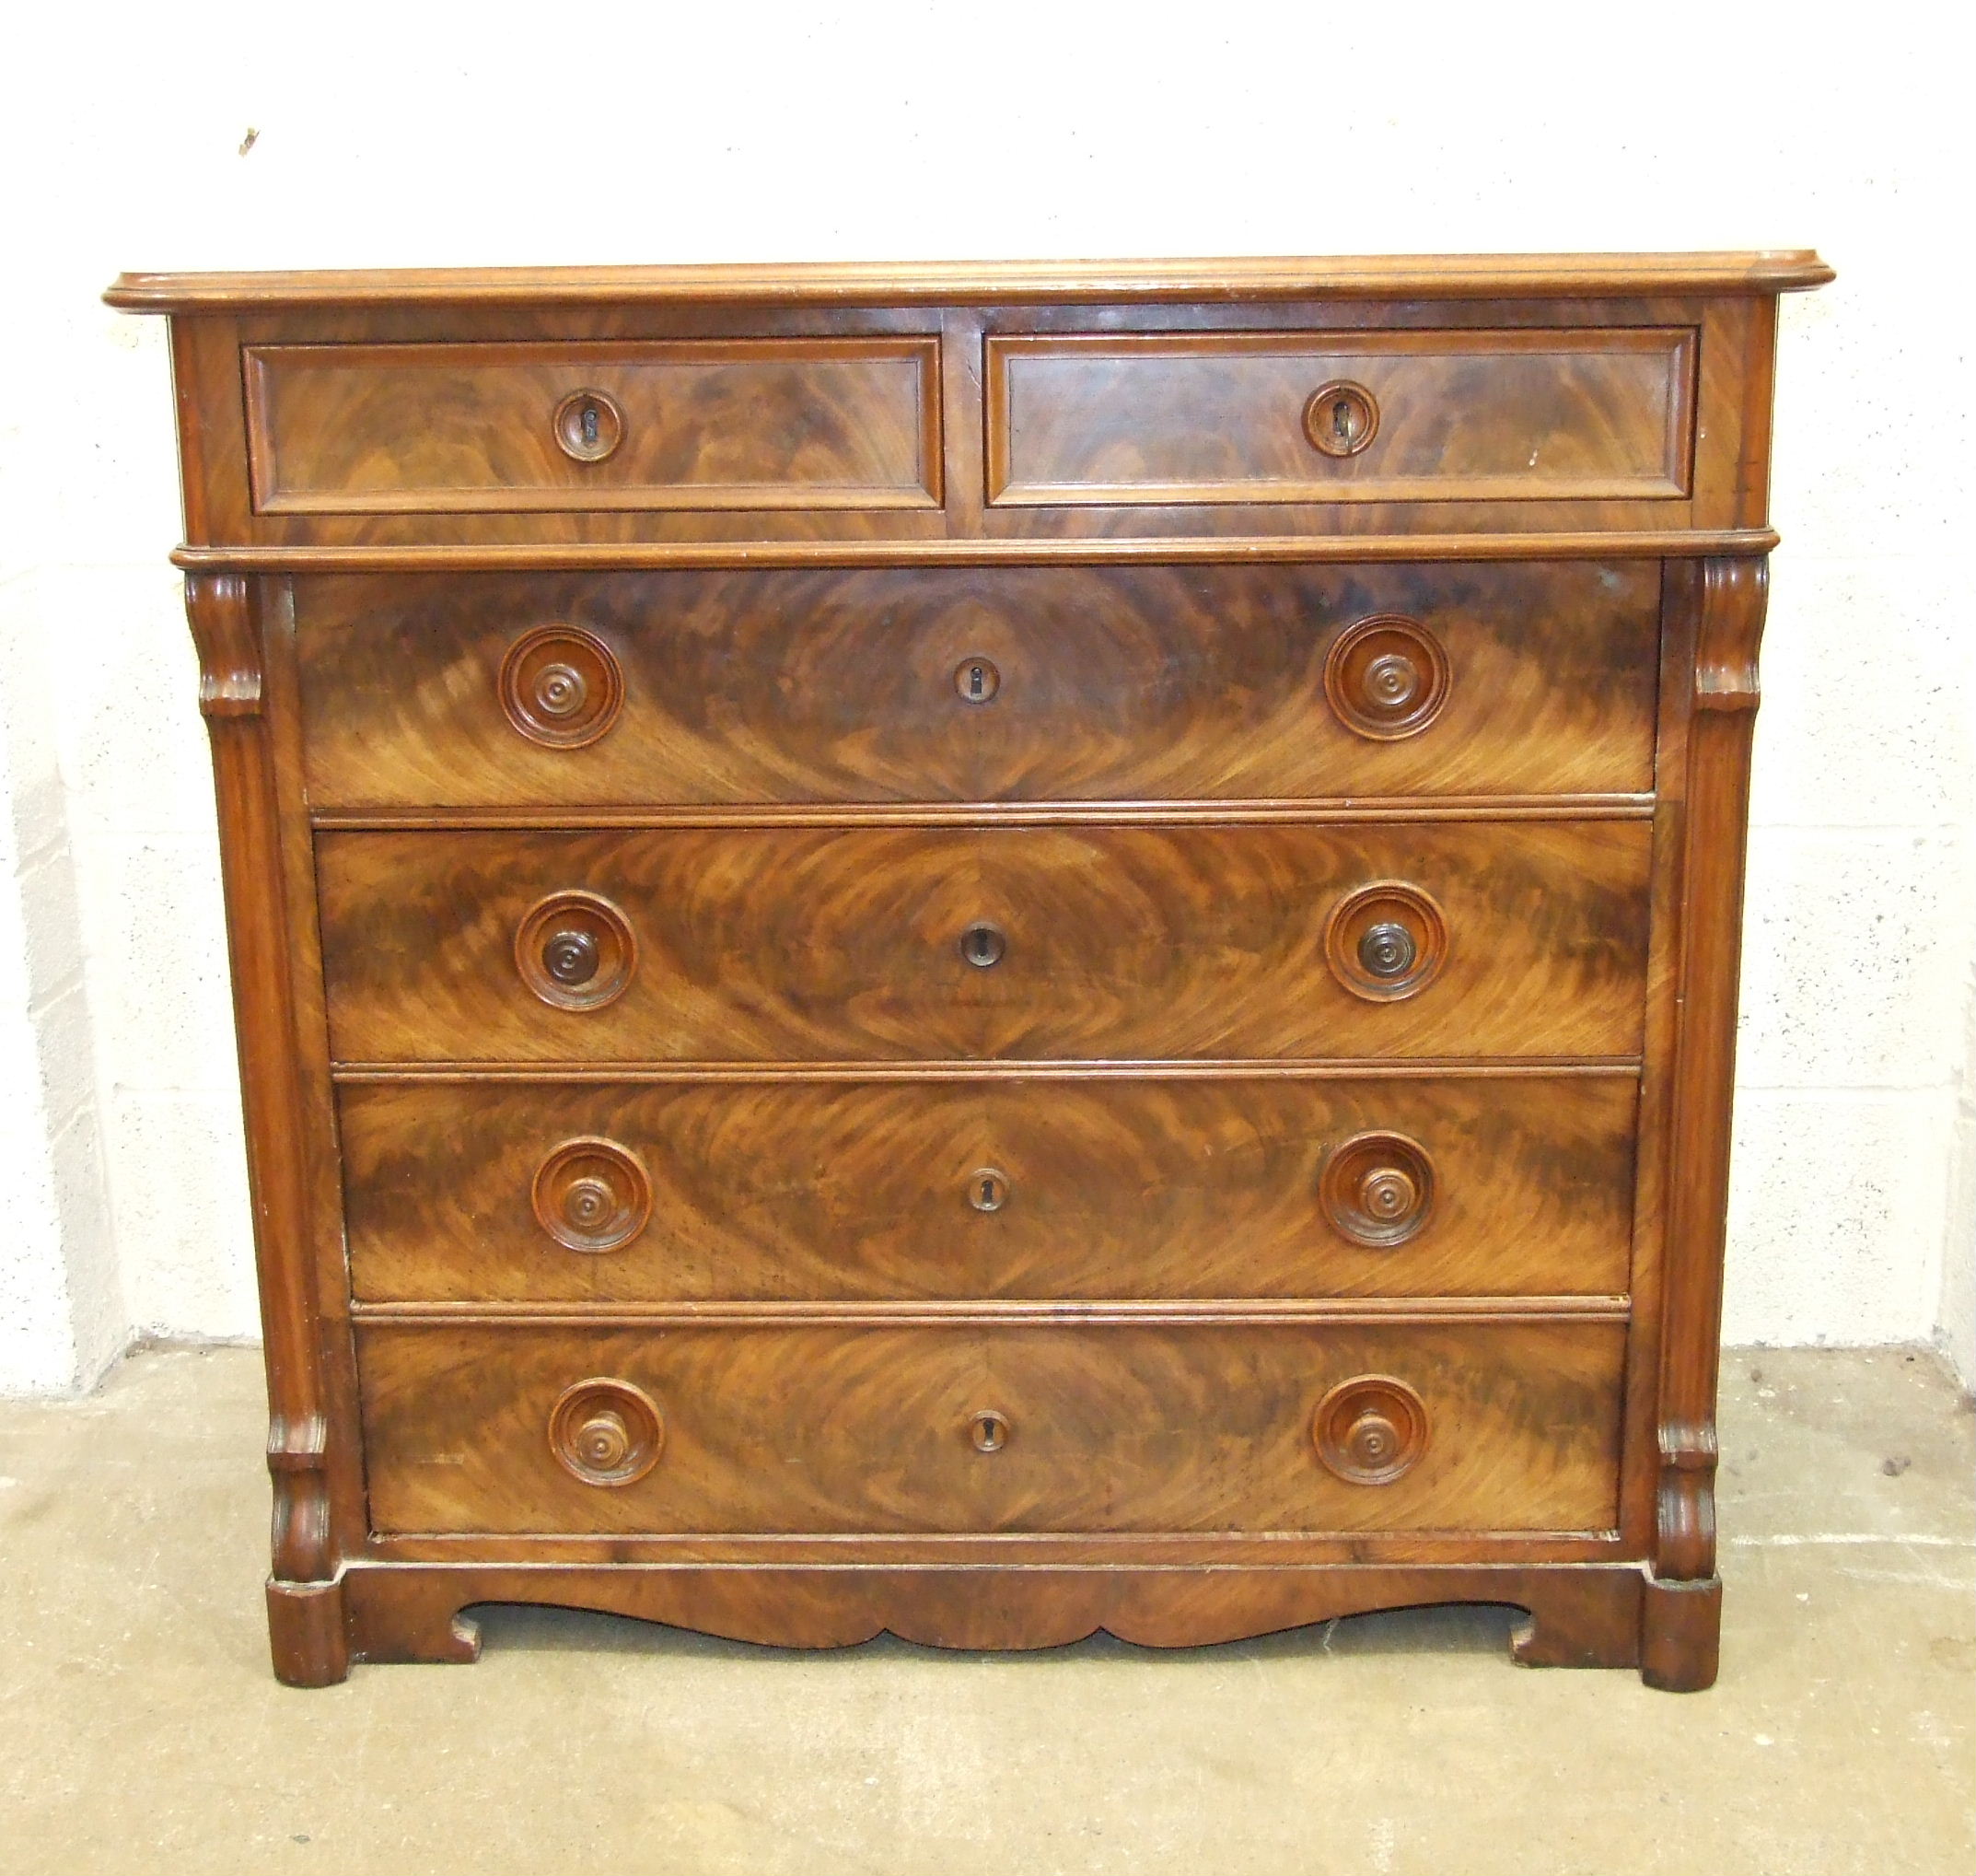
(592, 1195)
(605, 1432)
(587, 426)
(1342, 418)
(1386, 941)
(1376, 1189)
(1370, 1430)
(561, 687)
(1387, 677)
(575, 950)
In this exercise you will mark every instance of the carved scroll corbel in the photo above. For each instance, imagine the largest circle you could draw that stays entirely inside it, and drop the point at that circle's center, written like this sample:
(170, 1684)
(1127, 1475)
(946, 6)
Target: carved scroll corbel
(1730, 597)
(225, 629)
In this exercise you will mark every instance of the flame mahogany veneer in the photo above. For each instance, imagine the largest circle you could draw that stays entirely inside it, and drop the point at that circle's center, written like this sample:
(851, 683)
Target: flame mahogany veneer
(985, 951)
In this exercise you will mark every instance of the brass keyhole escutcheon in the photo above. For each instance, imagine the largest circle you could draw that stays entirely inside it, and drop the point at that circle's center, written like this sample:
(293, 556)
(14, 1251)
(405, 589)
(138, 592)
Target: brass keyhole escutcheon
(988, 1189)
(983, 945)
(989, 1430)
(976, 680)
(1340, 418)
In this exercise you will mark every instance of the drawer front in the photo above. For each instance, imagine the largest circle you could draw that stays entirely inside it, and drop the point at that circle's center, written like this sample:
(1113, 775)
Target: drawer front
(832, 1428)
(979, 684)
(687, 423)
(1528, 416)
(862, 1191)
(1495, 938)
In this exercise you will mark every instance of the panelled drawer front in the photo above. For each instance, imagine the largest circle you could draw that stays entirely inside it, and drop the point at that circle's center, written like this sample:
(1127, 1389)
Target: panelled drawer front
(808, 1190)
(685, 424)
(1098, 942)
(1211, 417)
(834, 1427)
(979, 684)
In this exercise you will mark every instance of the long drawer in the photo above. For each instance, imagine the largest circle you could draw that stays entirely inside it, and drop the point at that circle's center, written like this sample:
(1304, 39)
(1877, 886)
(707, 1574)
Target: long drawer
(832, 1428)
(1519, 938)
(547, 1193)
(978, 685)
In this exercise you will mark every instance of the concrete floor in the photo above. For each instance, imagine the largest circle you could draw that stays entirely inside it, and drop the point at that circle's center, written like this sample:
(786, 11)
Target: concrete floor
(144, 1732)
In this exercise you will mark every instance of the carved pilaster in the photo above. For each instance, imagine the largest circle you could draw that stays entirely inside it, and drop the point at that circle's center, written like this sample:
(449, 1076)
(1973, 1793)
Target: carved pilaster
(1730, 597)
(226, 626)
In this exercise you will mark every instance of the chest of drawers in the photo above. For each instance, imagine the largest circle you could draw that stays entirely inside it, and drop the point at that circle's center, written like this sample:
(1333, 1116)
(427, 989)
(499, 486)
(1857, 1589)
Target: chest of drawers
(985, 951)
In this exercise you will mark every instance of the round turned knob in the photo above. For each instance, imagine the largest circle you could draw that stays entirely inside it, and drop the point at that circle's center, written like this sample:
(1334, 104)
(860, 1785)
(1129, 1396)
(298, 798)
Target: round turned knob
(570, 956)
(1378, 1189)
(605, 1432)
(1387, 949)
(587, 426)
(1342, 418)
(983, 945)
(1386, 941)
(1370, 1430)
(989, 1431)
(988, 1189)
(1387, 677)
(561, 687)
(603, 1442)
(592, 1195)
(575, 950)
(976, 680)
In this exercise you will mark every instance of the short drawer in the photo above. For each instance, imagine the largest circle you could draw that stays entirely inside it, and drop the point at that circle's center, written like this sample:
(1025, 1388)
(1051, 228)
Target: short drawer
(979, 684)
(1596, 414)
(985, 1427)
(796, 424)
(547, 1191)
(1512, 939)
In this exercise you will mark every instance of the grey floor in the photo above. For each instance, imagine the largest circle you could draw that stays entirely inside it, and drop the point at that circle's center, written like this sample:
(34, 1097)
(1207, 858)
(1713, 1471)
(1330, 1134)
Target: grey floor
(144, 1732)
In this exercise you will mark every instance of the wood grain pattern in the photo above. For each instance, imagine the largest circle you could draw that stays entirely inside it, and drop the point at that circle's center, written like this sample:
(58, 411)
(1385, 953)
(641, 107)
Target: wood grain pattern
(715, 424)
(827, 1429)
(1104, 418)
(1123, 1189)
(1122, 942)
(1117, 683)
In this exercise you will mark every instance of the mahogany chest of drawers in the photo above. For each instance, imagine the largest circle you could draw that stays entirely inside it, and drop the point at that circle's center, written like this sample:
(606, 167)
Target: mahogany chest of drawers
(986, 951)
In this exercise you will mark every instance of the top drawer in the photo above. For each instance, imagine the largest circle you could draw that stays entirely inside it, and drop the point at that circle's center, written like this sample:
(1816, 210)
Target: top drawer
(689, 424)
(1207, 417)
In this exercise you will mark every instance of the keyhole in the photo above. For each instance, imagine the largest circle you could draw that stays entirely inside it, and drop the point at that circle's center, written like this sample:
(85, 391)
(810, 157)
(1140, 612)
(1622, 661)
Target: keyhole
(977, 679)
(590, 425)
(1342, 420)
(983, 945)
(988, 1189)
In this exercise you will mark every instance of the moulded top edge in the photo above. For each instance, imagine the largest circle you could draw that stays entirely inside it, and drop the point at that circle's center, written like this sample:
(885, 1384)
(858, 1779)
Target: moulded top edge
(1452, 277)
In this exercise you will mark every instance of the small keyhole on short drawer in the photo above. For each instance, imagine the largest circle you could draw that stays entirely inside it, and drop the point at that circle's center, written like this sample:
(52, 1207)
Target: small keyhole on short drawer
(988, 1190)
(590, 425)
(1342, 420)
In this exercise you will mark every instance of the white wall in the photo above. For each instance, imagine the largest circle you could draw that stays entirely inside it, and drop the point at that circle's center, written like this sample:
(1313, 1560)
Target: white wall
(414, 135)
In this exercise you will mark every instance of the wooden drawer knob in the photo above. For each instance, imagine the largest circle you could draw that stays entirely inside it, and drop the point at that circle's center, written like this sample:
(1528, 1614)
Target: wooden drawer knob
(1386, 941)
(1387, 677)
(592, 1195)
(1376, 1189)
(588, 426)
(1370, 1430)
(561, 687)
(605, 1432)
(1342, 418)
(575, 950)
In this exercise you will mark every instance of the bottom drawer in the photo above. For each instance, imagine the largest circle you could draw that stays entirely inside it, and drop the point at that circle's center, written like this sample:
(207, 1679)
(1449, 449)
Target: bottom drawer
(1135, 1427)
